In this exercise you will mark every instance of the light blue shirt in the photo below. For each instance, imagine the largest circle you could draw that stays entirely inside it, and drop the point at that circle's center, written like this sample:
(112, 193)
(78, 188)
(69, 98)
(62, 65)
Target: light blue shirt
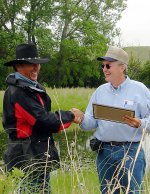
(131, 95)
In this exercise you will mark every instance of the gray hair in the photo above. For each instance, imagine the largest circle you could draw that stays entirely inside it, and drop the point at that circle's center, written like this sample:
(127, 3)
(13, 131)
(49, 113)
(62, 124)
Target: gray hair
(125, 65)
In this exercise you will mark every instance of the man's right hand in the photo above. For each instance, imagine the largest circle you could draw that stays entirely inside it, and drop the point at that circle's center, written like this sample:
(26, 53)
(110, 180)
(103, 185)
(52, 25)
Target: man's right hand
(79, 115)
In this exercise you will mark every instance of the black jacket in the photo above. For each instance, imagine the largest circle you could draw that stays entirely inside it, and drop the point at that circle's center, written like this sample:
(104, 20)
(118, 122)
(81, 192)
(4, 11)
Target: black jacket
(27, 111)
(29, 122)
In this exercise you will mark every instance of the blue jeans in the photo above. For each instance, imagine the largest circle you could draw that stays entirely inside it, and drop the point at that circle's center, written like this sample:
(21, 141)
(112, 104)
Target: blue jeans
(114, 169)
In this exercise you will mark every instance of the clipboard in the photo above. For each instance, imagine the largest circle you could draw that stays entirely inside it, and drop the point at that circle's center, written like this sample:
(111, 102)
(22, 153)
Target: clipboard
(110, 113)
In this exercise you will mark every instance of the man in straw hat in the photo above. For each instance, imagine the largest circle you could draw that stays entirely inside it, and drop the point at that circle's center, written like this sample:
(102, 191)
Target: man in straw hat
(29, 122)
(120, 161)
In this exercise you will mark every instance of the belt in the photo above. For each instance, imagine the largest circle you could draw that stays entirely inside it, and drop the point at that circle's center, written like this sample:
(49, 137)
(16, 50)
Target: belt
(116, 143)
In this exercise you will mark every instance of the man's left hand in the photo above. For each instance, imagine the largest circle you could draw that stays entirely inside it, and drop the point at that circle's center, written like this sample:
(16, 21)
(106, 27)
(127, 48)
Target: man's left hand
(132, 122)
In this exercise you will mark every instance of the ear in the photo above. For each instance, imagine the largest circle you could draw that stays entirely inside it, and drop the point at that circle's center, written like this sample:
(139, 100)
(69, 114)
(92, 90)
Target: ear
(17, 66)
(123, 67)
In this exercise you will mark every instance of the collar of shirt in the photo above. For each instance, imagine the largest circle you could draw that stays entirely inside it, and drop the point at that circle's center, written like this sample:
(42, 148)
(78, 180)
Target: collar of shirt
(121, 86)
(20, 76)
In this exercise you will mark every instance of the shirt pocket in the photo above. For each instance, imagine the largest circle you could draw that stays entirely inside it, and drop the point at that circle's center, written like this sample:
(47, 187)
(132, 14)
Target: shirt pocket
(130, 104)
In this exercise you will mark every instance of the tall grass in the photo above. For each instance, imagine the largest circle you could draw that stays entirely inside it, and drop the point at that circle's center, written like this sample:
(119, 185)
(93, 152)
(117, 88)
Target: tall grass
(84, 181)
(77, 174)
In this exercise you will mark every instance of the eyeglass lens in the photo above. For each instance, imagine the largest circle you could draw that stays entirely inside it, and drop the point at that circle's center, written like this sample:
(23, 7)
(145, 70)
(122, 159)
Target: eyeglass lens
(108, 66)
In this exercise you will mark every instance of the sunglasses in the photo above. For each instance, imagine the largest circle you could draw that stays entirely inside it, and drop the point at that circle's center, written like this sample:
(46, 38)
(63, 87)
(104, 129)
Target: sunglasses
(108, 66)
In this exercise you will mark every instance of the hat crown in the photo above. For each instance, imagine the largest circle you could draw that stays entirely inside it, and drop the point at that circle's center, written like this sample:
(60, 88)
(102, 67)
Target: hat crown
(118, 54)
(115, 54)
(26, 51)
(27, 54)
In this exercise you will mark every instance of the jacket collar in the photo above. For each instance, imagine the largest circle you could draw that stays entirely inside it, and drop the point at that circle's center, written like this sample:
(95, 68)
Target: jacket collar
(11, 80)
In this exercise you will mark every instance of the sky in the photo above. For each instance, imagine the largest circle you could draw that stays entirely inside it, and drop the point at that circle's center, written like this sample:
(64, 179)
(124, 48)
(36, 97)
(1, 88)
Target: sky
(135, 24)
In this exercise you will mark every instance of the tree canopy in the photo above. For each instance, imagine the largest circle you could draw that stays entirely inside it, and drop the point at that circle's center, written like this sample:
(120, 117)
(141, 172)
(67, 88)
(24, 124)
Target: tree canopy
(73, 33)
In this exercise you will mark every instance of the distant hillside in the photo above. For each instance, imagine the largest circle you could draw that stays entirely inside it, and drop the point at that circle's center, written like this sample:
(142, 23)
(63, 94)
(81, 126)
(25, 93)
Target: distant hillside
(140, 52)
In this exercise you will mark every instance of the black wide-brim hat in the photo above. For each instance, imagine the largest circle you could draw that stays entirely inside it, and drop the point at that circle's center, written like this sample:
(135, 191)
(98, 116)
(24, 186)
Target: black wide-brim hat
(27, 54)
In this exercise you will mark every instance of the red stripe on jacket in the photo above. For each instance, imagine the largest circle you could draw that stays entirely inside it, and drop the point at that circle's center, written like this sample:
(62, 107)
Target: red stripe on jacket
(64, 126)
(40, 99)
(24, 122)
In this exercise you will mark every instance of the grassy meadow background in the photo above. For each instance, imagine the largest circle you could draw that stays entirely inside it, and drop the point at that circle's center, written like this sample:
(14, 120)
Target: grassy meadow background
(77, 174)
(139, 52)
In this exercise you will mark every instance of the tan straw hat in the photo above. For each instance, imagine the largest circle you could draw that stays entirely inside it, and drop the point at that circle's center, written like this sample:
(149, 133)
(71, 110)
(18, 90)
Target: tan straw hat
(115, 54)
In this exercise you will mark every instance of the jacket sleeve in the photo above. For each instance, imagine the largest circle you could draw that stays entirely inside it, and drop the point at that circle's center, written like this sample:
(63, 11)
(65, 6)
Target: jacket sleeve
(40, 117)
(55, 122)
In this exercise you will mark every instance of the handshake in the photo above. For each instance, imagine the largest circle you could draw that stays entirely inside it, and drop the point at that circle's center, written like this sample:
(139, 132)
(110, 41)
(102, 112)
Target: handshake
(79, 115)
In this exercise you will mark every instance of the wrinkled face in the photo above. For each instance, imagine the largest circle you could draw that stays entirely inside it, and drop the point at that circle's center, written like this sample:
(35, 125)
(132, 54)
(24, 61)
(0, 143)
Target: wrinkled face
(113, 72)
(30, 71)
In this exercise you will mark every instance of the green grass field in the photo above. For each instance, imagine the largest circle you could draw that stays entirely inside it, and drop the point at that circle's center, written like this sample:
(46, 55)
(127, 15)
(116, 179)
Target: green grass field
(80, 176)
(84, 181)
(70, 97)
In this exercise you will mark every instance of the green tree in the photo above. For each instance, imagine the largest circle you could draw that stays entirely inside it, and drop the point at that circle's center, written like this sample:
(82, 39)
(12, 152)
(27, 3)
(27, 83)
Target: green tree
(145, 72)
(72, 32)
(134, 68)
(83, 28)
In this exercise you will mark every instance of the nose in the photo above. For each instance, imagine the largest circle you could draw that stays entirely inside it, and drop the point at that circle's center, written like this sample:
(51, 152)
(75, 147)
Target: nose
(105, 68)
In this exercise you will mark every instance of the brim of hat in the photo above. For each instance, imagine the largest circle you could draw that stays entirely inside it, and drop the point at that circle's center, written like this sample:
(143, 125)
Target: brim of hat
(106, 59)
(27, 61)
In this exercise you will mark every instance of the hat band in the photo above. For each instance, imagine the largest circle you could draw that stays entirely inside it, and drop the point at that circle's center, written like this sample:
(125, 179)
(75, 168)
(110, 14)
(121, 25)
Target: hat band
(28, 58)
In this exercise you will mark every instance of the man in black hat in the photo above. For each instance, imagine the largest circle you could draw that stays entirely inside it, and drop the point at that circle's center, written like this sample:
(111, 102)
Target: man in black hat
(29, 122)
